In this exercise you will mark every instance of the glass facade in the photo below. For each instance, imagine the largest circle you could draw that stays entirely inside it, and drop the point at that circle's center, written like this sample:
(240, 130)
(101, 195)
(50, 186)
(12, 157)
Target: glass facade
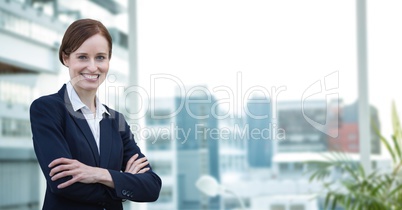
(12, 93)
(15, 127)
(29, 29)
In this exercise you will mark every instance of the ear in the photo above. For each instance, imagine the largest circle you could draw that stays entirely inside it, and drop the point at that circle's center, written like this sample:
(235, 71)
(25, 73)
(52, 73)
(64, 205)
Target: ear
(66, 59)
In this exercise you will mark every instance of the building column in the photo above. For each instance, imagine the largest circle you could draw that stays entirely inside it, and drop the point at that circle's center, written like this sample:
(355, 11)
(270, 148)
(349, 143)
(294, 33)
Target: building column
(363, 102)
(133, 77)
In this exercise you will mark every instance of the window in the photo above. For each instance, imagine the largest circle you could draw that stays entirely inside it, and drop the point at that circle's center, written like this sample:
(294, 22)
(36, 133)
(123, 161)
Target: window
(278, 207)
(158, 143)
(298, 167)
(15, 127)
(162, 168)
(159, 118)
(28, 28)
(14, 93)
(296, 207)
(283, 167)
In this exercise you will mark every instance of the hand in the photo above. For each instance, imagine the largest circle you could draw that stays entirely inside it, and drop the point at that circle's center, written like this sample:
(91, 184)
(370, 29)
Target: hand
(136, 166)
(63, 167)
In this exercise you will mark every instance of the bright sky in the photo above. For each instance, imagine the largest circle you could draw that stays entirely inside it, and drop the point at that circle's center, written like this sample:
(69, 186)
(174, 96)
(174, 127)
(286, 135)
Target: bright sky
(272, 43)
(289, 43)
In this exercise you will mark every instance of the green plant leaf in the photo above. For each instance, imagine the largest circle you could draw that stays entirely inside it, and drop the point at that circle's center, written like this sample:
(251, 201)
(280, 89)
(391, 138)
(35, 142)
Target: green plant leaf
(397, 129)
(397, 148)
(357, 189)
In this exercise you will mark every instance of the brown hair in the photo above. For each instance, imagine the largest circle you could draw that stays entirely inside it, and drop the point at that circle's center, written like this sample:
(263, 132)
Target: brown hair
(78, 32)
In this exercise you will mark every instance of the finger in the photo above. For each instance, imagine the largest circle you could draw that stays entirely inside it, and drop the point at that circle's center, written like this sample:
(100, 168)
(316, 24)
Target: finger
(57, 176)
(130, 162)
(138, 167)
(143, 170)
(139, 161)
(61, 175)
(61, 171)
(135, 164)
(58, 169)
(142, 165)
(62, 167)
(67, 183)
(59, 161)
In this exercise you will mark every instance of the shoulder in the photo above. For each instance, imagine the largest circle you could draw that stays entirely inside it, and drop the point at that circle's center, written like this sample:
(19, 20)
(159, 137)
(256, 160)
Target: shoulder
(48, 108)
(55, 100)
(50, 104)
(52, 100)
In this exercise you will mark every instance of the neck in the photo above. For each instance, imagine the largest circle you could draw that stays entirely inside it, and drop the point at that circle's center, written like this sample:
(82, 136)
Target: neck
(87, 97)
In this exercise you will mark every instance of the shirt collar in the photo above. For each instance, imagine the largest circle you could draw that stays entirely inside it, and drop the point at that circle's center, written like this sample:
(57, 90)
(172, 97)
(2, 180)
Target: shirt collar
(78, 104)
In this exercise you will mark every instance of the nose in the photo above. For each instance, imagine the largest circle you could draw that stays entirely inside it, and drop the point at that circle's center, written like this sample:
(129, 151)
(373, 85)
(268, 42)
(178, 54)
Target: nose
(92, 66)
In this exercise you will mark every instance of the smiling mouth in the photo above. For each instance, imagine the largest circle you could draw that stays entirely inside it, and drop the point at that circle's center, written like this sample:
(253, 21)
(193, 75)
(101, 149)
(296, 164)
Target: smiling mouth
(91, 76)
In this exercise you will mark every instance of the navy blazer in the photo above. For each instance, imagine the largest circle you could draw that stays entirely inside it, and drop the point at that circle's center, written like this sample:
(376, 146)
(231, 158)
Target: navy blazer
(59, 131)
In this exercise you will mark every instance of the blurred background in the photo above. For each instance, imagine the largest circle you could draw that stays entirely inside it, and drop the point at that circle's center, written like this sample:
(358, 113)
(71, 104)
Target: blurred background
(242, 91)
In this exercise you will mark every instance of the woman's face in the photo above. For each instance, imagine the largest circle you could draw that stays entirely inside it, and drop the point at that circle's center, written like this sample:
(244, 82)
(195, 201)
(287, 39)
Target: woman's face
(89, 64)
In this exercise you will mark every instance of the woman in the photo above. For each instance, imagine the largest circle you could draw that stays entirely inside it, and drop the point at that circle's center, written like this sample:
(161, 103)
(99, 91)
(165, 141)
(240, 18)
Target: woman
(85, 149)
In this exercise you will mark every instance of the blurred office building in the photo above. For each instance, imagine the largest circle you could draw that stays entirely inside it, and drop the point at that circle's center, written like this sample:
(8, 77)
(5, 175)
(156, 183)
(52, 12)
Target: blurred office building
(347, 139)
(159, 134)
(232, 149)
(319, 126)
(259, 129)
(30, 34)
(197, 147)
(28, 51)
(301, 136)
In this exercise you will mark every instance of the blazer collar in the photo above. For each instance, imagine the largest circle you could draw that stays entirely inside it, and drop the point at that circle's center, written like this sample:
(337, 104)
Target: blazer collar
(78, 104)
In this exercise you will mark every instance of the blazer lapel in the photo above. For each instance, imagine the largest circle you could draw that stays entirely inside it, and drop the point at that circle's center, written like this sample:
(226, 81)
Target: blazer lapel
(81, 123)
(84, 127)
(106, 139)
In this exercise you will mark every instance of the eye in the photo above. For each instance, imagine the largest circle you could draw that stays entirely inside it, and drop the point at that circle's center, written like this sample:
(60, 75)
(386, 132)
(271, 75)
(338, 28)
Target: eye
(82, 57)
(100, 57)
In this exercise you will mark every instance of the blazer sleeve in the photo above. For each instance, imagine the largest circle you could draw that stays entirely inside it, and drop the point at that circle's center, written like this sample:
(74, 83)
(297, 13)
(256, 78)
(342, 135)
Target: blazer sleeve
(48, 128)
(143, 187)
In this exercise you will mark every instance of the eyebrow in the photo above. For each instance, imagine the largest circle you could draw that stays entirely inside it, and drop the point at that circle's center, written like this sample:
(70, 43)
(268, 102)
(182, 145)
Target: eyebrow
(83, 53)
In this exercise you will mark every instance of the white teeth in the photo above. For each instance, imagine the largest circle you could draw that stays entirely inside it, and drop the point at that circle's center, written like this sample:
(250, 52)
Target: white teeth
(90, 76)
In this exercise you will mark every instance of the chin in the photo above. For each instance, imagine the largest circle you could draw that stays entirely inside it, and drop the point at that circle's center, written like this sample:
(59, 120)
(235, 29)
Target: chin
(89, 87)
